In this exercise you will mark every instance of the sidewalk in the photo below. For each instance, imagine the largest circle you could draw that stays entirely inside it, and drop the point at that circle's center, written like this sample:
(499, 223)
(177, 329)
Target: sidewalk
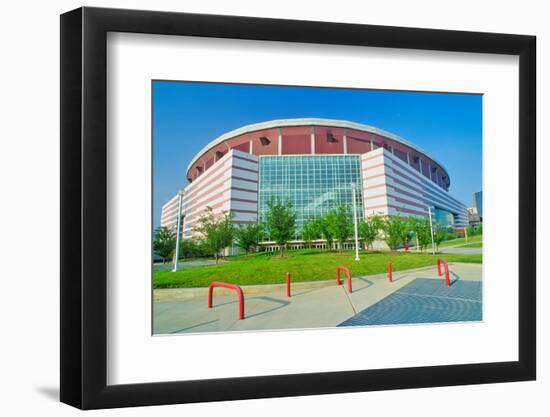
(326, 306)
(461, 251)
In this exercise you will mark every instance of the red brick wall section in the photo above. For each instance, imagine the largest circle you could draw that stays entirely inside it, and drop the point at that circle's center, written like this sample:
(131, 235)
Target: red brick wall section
(259, 149)
(296, 140)
(379, 141)
(243, 147)
(358, 142)
(323, 146)
(240, 142)
(358, 146)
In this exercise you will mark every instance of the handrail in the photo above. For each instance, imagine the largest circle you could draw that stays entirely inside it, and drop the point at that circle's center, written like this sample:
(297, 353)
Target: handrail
(288, 284)
(348, 273)
(390, 272)
(234, 287)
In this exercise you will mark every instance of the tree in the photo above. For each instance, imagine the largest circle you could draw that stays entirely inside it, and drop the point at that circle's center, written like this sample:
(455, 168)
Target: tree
(310, 231)
(280, 222)
(406, 231)
(412, 228)
(479, 230)
(440, 234)
(192, 248)
(470, 231)
(423, 232)
(394, 230)
(324, 223)
(421, 228)
(248, 236)
(370, 229)
(164, 243)
(218, 231)
(340, 224)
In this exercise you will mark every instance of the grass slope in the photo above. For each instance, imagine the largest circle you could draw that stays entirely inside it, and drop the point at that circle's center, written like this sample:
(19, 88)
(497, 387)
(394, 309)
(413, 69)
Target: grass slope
(304, 265)
(461, 241)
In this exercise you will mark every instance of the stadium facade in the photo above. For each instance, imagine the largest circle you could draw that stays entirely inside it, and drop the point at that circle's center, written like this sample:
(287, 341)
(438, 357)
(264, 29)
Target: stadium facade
(312, 163)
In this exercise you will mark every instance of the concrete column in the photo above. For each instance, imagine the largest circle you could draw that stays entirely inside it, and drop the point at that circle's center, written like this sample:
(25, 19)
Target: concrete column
(250, 147)
(279, 141)
(408, 159)
(371, 145)
(312, 140)
(420, 162)
(345, 141)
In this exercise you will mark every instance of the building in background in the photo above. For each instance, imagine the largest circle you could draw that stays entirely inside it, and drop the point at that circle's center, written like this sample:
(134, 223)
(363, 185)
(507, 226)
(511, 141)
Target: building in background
(473, 217)
(312, 163)
(478, 204)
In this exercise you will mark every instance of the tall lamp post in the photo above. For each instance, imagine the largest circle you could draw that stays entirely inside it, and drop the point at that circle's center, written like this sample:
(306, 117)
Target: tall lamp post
(431, 229)
(355, 222)
(178, 228)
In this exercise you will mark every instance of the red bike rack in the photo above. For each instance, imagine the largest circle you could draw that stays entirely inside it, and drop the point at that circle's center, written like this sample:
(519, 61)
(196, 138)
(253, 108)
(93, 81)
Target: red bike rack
(288, 284)
(390, 272)
(236, 288)
(447, 274)
(348, 273)
(438, 266)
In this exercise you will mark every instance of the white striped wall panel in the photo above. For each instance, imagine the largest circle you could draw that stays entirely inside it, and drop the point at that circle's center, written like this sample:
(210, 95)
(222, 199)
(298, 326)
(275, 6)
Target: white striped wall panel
(391, 186)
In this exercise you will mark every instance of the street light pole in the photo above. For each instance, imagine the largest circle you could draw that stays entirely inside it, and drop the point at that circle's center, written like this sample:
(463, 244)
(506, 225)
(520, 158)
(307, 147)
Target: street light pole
(178, 227)
(355, 222)
(431, 229)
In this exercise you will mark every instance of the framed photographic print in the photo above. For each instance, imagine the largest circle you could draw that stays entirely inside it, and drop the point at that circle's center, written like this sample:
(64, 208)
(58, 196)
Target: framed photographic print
(258, 207)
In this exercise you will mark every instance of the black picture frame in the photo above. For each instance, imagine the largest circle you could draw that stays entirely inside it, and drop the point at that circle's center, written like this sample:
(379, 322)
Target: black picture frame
(84, 207)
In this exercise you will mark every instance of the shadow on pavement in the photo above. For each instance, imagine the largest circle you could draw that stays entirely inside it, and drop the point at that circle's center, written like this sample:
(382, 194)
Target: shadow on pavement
(192, 327)
(281, 303)
(400, 277)
(456, 276)
(367, 282)
(304, 292)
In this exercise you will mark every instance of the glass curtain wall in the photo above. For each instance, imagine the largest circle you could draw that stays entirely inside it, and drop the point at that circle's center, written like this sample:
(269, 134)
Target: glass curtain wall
(444, 218)
(313, 184)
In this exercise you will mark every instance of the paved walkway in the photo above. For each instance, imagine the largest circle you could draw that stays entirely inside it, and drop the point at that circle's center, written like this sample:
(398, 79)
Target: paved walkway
(326, 306)
(424, 300)
(458, 249)
(461, 251)
(186, 264)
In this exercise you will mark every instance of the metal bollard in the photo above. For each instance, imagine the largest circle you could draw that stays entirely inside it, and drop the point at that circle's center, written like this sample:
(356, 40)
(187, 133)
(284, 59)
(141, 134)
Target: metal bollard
(288, 284)
(233, 287)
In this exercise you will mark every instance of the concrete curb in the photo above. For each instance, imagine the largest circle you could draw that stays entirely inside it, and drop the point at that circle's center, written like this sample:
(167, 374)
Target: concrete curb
(174, 294)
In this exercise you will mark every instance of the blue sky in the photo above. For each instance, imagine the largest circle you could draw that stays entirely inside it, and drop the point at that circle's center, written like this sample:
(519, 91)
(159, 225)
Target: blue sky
(187, 116)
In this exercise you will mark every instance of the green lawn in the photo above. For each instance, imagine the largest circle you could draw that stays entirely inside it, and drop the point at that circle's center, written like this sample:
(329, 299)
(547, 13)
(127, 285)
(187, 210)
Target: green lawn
(461, 241)
(304, 265)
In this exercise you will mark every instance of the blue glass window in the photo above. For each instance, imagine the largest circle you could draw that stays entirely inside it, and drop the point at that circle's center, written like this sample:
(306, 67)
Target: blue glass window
(314, 184)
